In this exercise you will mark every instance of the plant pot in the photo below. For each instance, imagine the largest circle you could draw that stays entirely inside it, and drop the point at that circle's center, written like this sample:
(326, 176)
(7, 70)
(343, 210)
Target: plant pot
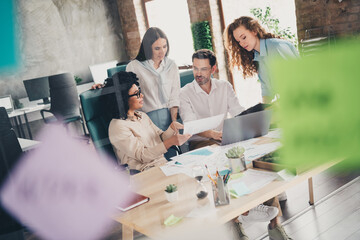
(237, 164)
(172, 197)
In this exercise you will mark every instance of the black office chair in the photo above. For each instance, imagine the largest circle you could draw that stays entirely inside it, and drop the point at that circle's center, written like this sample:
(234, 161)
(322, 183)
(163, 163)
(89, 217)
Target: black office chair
(4, 120)
(65, 104)
(10, 152)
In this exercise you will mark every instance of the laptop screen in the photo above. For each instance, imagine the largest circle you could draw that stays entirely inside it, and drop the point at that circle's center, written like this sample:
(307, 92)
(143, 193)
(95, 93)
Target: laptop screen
(6, 102)
(247, 126)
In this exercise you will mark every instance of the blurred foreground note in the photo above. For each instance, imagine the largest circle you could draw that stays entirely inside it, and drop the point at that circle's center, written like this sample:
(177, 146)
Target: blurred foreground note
(8, 42)
(319, 105)
(62, 190)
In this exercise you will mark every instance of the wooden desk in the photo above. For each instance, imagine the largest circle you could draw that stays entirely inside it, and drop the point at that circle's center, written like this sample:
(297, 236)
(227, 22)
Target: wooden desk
(149, 218)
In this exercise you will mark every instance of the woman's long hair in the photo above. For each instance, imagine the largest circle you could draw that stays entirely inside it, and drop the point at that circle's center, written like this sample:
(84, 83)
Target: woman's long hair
(117, 101)
(151, 35)
(239, 56)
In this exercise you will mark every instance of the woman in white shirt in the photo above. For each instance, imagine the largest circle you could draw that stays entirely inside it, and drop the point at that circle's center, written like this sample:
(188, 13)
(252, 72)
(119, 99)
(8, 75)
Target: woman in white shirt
(136, 140)
(158, 77)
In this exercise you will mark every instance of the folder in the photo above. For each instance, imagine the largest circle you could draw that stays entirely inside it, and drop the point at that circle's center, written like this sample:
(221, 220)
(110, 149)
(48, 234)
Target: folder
(135, 200)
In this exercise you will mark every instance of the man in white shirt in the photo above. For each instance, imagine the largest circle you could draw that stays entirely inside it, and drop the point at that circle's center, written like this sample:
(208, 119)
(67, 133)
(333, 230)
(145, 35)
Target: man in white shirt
(207, 97)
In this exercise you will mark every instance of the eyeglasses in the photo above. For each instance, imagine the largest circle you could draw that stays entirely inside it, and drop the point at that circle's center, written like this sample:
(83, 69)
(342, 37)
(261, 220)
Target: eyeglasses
(138, 94)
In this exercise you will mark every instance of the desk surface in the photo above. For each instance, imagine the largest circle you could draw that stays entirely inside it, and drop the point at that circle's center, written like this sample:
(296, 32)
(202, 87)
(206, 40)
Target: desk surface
(27, 144)
(149, 218)
(28, 109)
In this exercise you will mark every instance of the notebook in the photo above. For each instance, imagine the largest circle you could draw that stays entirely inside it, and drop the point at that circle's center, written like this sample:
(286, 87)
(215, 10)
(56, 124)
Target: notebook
(243, 127)
(136, 200)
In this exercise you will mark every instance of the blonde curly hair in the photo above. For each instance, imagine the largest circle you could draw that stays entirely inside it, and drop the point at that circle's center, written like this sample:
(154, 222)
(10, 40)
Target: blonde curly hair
(240, 57)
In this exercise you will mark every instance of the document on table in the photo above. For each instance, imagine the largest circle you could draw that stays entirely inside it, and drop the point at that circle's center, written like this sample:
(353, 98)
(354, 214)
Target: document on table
(274, 134)
(256, 151)
(254, 179)
(204, 124)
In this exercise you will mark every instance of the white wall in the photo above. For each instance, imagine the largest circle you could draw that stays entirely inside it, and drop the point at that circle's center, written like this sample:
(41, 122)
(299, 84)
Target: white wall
(63, 36)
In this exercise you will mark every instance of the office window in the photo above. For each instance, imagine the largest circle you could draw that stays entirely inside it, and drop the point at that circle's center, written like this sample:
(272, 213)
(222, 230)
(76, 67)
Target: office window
(173, 18)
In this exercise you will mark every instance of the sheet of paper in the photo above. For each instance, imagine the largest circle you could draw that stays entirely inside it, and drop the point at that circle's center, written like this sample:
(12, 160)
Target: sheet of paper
(257, 151)
(63, 185)
(202, 211)
(240, 188)
(172, 169)
(274, 134)
(254, 179)
(285, 175)
(204, 124)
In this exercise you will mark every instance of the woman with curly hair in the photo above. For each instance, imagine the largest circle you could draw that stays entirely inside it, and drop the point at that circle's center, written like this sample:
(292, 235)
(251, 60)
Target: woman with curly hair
(251, 49)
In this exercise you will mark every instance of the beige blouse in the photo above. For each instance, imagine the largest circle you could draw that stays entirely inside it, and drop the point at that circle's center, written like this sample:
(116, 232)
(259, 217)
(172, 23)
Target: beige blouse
(138, 142)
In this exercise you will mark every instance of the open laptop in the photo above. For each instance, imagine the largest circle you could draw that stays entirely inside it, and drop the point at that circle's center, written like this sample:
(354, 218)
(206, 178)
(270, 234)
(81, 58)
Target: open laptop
(7, 103)
(247, 126)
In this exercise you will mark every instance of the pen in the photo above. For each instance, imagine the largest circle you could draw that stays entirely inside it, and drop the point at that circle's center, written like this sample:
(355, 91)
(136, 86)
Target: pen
(212, 179)
(227, 178)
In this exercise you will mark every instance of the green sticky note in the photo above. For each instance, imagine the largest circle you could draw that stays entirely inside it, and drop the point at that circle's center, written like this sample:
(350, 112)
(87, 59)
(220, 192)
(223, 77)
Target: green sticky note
(171, 220)
(319, 105)
(236, 175)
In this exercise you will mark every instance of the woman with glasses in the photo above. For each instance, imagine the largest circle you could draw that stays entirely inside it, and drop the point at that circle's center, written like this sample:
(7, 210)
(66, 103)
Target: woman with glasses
(136, 140)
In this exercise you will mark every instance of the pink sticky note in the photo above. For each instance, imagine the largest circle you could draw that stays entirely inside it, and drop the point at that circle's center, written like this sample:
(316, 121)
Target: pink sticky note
(63, 190)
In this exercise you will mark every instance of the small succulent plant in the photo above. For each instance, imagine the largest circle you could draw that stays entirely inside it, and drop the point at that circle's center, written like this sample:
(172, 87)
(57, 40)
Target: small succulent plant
(171, 188)
(235, 152)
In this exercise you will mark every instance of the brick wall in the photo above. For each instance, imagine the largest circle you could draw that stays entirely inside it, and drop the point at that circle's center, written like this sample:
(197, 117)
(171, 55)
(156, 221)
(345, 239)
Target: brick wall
(199, 10)
(130, 27)
(323, 16)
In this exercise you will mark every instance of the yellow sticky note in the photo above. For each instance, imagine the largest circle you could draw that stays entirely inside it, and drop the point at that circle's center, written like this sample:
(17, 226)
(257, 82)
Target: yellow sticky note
(171, 220)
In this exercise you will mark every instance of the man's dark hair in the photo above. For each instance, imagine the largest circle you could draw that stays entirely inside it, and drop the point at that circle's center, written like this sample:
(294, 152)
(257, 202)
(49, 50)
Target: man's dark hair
(117, 100)
(151, 35)
(205, 54)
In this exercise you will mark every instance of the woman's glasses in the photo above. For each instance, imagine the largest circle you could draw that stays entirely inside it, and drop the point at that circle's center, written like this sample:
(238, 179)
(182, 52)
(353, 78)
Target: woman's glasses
(137, 94)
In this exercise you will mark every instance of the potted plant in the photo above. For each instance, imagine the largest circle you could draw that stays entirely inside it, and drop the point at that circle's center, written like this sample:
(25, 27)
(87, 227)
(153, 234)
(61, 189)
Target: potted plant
(171, 193)
(236, 159)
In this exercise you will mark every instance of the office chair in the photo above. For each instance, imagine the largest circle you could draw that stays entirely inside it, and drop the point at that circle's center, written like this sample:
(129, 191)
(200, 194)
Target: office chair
(10, 151)
(97, 120)
(4, 120)
(65, 105)
(186, 77)
(119, 68)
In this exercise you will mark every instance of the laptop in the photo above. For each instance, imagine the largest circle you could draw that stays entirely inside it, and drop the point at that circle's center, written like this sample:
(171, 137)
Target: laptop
(243, 127)
(7, 103)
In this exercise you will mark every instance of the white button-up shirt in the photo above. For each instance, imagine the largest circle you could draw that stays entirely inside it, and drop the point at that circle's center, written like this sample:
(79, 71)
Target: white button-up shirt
(149, 85)
(195, 103)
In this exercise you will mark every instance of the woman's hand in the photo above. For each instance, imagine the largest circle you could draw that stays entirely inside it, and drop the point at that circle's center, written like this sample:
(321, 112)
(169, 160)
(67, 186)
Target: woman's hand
(176, 126)
(176, 139)
(97, 85)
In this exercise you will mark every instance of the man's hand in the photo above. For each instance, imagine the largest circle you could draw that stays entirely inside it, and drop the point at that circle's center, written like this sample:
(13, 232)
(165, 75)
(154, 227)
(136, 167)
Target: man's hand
(97, 85)
(217, 135)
